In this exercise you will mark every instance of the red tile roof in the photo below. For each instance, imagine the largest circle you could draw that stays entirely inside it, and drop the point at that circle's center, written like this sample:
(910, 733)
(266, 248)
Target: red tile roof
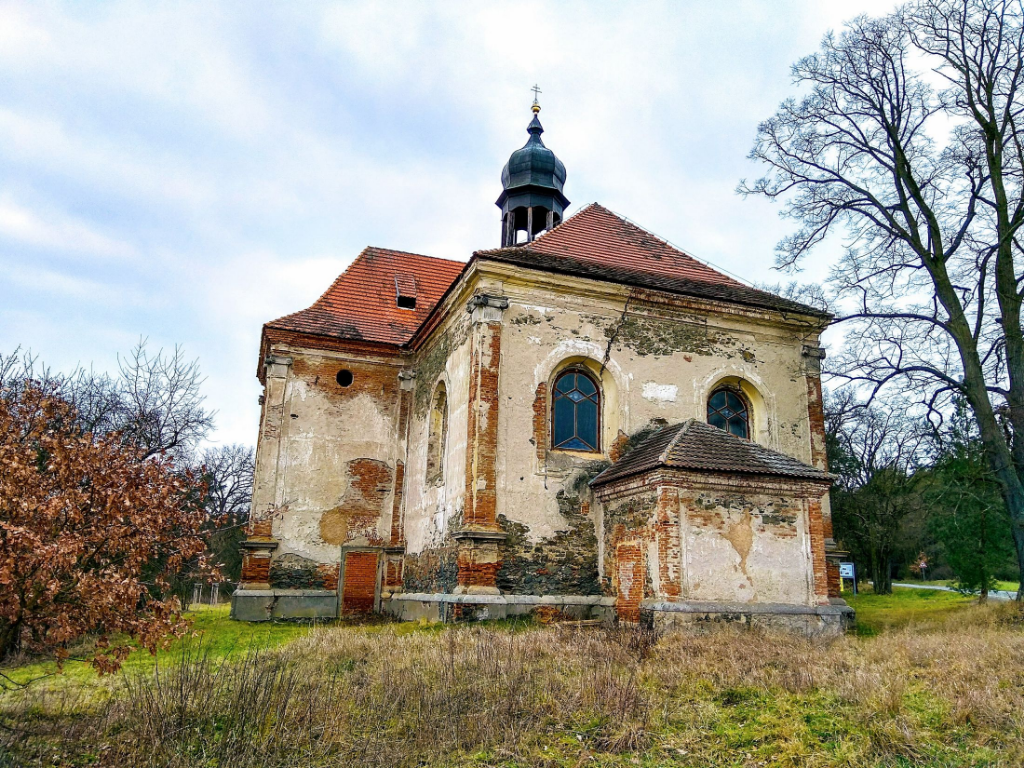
(597, 235)
(361, 304)
(599, 244)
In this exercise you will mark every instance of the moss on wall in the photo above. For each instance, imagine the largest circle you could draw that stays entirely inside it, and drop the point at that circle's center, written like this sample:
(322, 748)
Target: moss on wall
(565, 564)
(432, 363)
(660, 336)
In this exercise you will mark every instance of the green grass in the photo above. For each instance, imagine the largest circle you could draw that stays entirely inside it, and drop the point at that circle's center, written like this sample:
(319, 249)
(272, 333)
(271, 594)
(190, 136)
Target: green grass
(878, 613)
(221, 637)
(931, 679)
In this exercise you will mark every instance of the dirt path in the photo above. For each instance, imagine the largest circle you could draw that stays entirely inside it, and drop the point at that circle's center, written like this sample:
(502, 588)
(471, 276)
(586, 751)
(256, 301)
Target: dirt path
(995, 594)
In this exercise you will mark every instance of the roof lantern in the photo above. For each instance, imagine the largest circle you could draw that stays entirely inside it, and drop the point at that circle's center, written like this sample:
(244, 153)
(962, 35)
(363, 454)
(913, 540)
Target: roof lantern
(531, 200)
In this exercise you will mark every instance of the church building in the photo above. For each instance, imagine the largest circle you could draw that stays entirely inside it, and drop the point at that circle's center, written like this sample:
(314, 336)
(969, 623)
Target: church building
(583, 422)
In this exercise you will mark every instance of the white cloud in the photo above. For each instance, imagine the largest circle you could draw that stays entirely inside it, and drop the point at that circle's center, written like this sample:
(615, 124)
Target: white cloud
(57, 231)
(189, 172)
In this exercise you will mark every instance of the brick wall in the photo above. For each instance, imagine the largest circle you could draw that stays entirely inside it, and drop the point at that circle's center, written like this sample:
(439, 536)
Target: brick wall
(744, 536)
(261, 528)
(816, 418)
(482, 428)
(360, 582)
(328, 575)
(667, 534)
(629, 580)
(817, 534)
(540, 422)
(255, 569)
(832, 569)
(397, 534)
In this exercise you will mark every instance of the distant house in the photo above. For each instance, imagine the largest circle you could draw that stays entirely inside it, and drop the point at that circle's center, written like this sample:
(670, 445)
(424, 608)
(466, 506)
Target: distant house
(585, 420)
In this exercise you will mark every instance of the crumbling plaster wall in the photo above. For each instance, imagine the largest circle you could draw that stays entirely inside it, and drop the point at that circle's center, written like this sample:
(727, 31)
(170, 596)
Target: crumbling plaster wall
(714, 537)
(655, 361)
(328, 455)
(432, 508)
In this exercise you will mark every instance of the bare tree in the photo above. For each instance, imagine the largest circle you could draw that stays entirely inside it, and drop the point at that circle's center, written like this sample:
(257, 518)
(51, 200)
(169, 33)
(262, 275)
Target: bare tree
(874, 452)
(228, 471)
(926, 183)
(154, 402)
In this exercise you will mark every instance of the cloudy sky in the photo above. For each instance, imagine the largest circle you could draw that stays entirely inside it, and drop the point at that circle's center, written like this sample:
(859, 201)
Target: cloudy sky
(185, 172)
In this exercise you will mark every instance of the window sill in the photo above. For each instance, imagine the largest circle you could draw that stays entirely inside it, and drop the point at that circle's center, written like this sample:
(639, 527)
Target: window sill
(593, 455)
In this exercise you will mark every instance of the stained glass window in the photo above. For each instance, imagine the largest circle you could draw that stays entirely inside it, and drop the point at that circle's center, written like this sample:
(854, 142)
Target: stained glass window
(726, 410)
(577, 406)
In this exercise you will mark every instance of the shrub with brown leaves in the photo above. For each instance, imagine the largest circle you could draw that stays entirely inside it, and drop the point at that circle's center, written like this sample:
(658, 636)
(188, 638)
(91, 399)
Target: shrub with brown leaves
(89, 533)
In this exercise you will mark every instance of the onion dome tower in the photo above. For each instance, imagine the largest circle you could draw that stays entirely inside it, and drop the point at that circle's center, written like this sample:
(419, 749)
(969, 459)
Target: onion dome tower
(531, 200)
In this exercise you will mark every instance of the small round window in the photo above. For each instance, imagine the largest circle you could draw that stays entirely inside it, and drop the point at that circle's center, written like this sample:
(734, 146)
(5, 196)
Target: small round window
(344, 378)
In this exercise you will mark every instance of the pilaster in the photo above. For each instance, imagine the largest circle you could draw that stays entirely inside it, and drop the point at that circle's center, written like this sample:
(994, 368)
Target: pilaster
(260, 544)
(813, 356)
(479, 554)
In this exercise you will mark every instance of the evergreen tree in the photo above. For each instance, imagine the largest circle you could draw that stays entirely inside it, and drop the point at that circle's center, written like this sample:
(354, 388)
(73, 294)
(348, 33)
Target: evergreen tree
(967, 512)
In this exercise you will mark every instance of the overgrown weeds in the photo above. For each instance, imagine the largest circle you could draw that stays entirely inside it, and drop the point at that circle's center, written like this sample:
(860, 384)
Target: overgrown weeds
(947, 694)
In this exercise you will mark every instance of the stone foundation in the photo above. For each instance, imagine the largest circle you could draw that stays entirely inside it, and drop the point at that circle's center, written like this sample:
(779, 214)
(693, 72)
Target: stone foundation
(816, 620)
(445, 607)
(269, 604)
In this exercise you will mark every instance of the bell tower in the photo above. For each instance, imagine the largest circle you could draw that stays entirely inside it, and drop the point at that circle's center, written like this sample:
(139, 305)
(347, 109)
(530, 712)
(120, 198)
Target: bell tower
(531, 200)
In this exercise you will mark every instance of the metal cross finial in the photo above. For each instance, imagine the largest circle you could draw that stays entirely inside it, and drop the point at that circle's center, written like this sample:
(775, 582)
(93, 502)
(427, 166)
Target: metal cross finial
(536, 104)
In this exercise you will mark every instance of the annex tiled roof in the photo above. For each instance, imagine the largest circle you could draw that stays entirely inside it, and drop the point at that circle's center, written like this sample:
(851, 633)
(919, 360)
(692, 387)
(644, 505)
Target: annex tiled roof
(361, 304)
(600, 244)
(696, 445)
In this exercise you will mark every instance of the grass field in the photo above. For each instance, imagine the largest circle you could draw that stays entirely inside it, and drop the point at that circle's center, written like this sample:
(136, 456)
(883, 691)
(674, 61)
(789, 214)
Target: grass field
(930, 679)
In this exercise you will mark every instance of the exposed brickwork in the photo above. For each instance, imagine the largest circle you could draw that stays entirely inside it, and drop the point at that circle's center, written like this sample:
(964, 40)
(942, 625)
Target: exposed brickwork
(261, 528)
(328, 574)
(667, 534)
(360, 582)
(540, 422)
(817, 535)
(816, 419)
(621, 441)
(397, 534)
(393, 572)
(629, 581)
(255, 569)
(737, 509)
(476, 568)
(378, 381)
(834, 582)
(356, 516)
(482, 428)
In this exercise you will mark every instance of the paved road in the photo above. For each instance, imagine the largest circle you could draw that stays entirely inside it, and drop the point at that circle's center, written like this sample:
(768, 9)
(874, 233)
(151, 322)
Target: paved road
(994, 594)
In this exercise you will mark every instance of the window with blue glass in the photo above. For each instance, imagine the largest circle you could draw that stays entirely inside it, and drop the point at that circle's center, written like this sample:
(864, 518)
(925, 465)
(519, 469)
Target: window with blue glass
(576, 403)
(728, 411)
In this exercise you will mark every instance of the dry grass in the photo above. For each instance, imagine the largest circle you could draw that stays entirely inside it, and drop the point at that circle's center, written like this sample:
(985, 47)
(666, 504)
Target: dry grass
(946, 693)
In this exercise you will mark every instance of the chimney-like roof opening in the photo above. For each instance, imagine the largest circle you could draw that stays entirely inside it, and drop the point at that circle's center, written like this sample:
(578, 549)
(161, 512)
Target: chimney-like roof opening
(405, 290)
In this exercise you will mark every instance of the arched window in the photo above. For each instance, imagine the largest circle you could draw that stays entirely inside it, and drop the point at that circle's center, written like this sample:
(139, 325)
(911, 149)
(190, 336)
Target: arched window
(577, 412)
(437, 433)
(728, 411)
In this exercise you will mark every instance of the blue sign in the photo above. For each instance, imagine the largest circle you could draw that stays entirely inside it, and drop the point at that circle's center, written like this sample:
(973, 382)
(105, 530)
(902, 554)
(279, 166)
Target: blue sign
(846, 571)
